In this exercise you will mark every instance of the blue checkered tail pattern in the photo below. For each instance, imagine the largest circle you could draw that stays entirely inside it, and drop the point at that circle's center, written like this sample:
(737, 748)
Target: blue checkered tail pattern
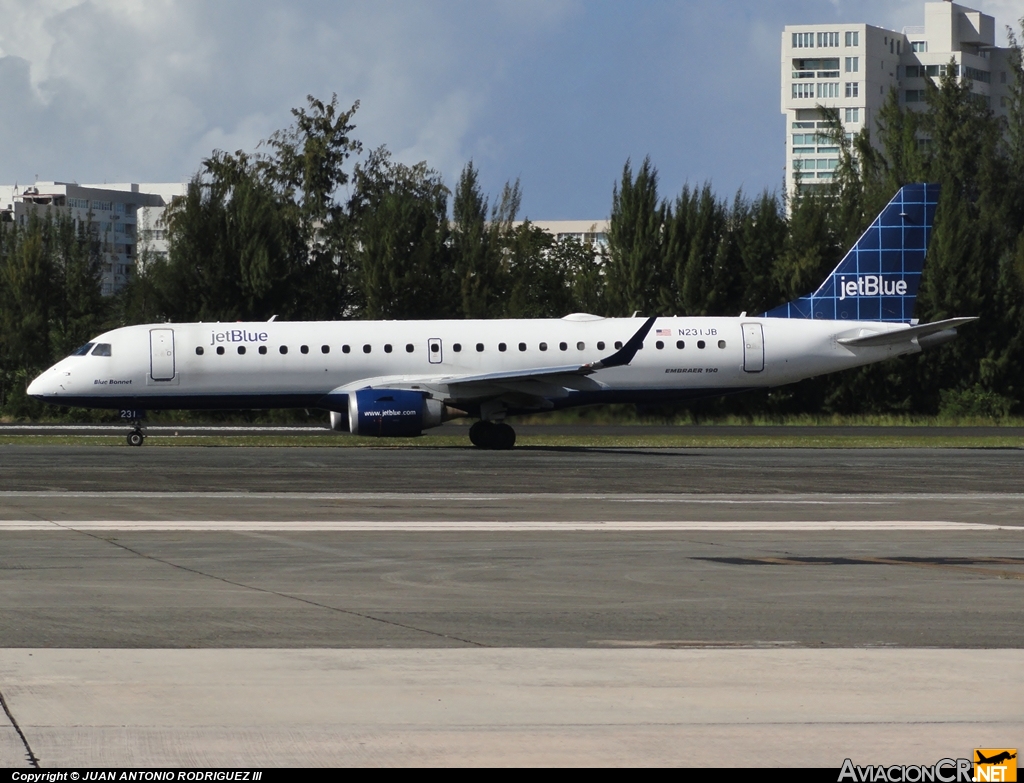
(878, 279)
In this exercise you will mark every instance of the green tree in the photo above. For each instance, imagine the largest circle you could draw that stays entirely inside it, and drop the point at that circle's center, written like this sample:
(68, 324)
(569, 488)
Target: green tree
(400, 236)
(711, 263)
(79, 309)
(761, 231)
(307, 171)
(636, 237)
(264, 234)
(474, 259)
(26, 275)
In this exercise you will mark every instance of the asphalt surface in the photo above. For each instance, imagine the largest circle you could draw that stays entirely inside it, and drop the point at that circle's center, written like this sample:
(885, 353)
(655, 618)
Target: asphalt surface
(779, 547)
(569, 606)
(535, 469)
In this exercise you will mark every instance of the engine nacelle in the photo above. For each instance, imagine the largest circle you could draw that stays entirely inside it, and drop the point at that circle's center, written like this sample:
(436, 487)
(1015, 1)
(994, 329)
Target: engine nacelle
(391, 413)
(339, 421)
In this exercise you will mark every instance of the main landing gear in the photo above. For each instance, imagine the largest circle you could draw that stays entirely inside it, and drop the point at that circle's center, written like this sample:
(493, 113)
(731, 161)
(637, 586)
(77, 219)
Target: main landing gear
(492, 435)
(136, 436)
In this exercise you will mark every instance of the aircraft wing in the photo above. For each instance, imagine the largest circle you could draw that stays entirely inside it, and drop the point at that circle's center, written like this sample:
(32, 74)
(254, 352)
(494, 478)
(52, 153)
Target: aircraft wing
(867, 338)
(537, 382)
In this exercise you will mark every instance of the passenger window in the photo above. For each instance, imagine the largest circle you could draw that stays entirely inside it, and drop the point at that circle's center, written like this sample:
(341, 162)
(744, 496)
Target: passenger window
(543, 346)
(700, 344)
(600, 345)
(659, 345)
(563, 346)
(303, 349)
(325, 349)
(102, 349)
(387, 347)
(457, 347)
(241, 350)
(618, 345)
(199, 350)
(366, 349)
(263, 350)
(220, 350)
(409, 348)
(435, 348)
(479, 347)
(82, 351)
(522, 346)
(346, 349)
(680, 344)
(580, 346)
(502, 347)
(283, 349)
(721, 343)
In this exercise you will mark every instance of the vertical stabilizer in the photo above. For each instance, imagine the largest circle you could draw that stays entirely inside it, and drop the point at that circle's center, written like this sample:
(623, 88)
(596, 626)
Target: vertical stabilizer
(878, 278)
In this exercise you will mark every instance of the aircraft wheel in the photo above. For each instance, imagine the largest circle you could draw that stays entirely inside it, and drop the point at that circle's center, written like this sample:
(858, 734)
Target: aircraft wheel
(505, 436)
(492, 435)
(134, 438)
(480, 434)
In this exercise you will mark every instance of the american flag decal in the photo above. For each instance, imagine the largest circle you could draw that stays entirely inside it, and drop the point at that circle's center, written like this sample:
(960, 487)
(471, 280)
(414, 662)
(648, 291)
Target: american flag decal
(663, 332)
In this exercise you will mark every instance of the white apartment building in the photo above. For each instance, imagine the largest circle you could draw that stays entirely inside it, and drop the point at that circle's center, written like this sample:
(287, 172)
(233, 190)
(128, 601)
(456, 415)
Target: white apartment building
(594, 232)
(125, 218)
(852, 67)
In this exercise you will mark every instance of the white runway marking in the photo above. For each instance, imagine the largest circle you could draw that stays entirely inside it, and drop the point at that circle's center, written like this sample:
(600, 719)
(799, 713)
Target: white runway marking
(823, 498)
(485, 526)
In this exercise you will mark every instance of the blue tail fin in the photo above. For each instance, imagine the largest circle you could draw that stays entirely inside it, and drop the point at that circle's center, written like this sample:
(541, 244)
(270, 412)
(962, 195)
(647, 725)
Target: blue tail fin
(879, 277)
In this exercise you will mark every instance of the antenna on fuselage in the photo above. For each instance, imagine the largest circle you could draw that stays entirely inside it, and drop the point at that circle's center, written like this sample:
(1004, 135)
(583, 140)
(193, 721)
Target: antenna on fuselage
(271, 319)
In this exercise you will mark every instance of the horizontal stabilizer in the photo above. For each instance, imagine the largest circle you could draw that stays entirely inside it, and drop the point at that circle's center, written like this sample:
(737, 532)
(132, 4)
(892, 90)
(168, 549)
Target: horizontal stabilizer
(895, 336)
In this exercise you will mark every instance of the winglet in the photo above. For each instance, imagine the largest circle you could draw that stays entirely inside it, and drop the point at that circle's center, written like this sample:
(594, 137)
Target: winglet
(626, 353)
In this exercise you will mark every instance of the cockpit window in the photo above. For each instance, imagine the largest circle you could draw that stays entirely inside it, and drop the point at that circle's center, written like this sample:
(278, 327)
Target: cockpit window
(101, 349)
(83, 350)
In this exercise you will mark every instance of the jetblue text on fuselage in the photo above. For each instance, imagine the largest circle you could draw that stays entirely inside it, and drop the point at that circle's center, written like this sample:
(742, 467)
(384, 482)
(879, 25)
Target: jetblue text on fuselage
(871, 285)
(237, 336)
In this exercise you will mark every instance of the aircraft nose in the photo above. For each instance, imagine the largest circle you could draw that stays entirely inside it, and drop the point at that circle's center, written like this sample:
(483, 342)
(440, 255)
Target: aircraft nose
(44, 385)
(35, 389)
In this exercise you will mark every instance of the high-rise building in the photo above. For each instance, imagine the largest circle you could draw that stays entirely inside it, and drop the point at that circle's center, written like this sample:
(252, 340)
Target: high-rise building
(594, 232)
(852, 67)
(124, 218)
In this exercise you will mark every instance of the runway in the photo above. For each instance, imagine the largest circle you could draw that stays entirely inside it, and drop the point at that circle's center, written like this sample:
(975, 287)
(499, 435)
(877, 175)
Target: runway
(561, 605)
(555, 469)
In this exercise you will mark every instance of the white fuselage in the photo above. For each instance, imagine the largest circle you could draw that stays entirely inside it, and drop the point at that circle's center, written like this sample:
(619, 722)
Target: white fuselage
(242, 365)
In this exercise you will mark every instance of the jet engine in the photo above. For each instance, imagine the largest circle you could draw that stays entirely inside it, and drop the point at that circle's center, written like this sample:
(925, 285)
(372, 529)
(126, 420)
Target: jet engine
(393, 413)
(339, 421)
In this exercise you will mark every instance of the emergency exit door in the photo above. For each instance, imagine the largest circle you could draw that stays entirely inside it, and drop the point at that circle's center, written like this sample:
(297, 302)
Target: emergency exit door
(161, 354)
(434, 352)
(753, 348)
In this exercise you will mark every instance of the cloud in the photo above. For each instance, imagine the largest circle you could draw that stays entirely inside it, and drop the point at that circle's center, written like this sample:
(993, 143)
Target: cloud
(558, 91)
(143, 91)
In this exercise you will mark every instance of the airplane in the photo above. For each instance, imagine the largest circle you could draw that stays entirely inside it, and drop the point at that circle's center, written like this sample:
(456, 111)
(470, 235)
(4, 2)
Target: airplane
(399, 378)
(996, 759)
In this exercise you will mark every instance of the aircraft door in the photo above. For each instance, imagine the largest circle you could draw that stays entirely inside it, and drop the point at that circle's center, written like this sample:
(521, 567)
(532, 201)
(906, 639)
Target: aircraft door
(434, 352)
(161, 354)
(753, 348)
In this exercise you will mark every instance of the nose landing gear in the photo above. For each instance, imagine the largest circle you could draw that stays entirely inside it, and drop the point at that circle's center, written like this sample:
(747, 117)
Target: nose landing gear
(492, 435)
(136, 436)
(134, 417)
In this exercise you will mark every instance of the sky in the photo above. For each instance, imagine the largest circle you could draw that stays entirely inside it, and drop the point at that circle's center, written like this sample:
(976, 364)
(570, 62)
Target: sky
(557, 93)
